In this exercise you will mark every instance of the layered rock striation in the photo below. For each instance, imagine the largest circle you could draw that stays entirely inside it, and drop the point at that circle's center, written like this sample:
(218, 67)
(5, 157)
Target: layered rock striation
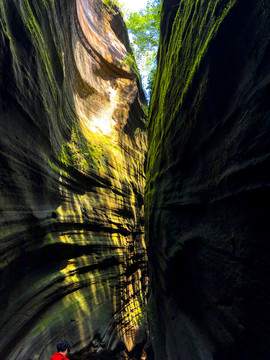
(72, 150)
(207, 194)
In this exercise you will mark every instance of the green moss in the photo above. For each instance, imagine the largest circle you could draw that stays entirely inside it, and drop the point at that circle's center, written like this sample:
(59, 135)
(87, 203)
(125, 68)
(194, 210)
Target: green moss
(131, 63)
(112, 3)
(9, 230)
(145, 110)
(195, 25)
(138, 131)
(82, 154)
(36, 33)
(4, 29)
(194, 28)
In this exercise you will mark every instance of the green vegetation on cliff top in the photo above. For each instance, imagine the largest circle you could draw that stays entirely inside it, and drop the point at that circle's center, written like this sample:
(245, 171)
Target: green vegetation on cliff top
(143, 28)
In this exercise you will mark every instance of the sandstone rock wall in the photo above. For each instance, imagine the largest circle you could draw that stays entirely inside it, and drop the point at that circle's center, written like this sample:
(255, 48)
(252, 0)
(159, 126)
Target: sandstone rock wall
(72, 150)
(207, 195)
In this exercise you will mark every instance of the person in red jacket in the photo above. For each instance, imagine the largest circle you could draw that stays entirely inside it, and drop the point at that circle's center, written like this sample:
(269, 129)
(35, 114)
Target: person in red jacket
(63, 348)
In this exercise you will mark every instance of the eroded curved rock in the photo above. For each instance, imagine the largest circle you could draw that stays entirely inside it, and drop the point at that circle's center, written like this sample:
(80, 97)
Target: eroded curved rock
(72, 150)
(207, 194)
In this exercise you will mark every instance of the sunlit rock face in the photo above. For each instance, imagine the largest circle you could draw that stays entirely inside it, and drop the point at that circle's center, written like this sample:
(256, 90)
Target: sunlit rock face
(207, 195)
(72, 149)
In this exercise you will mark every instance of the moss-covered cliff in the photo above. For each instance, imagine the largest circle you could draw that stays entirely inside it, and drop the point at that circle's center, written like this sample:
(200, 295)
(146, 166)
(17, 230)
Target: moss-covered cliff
(207, 193)
(72, 149)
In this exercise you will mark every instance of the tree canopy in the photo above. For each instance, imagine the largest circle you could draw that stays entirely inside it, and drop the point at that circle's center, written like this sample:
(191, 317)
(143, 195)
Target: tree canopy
(143, 27)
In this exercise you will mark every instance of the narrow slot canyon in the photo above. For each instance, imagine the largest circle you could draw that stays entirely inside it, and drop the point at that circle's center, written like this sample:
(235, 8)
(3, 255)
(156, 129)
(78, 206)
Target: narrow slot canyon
(134, 231)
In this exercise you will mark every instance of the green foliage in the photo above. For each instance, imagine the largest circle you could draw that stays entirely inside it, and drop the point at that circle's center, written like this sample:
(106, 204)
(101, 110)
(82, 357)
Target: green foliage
(143, 27)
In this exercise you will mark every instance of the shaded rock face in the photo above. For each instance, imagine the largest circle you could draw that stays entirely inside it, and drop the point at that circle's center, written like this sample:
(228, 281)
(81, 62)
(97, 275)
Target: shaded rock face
(72, 149)
(207, 194)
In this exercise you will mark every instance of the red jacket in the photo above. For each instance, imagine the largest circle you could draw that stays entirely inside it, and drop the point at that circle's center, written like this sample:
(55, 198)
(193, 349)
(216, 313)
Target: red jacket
(59, 356)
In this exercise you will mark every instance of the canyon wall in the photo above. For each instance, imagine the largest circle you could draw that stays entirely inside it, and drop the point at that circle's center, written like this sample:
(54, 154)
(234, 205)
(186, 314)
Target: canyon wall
(72, 152)
(207, 194)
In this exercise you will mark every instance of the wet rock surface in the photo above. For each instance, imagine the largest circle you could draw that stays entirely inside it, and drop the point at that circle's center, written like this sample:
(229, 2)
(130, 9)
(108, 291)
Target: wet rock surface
(72, 150)
(207, 195)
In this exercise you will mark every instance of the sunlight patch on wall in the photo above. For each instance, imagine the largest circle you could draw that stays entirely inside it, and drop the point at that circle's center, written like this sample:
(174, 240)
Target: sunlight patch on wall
(102, 121)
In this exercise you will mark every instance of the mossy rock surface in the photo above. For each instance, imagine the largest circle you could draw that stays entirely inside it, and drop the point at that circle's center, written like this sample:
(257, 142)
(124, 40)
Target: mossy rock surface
(73, 256)
(207, 181)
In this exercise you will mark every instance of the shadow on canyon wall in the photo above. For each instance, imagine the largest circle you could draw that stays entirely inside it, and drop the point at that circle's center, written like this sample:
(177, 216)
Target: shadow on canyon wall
(207, 192)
